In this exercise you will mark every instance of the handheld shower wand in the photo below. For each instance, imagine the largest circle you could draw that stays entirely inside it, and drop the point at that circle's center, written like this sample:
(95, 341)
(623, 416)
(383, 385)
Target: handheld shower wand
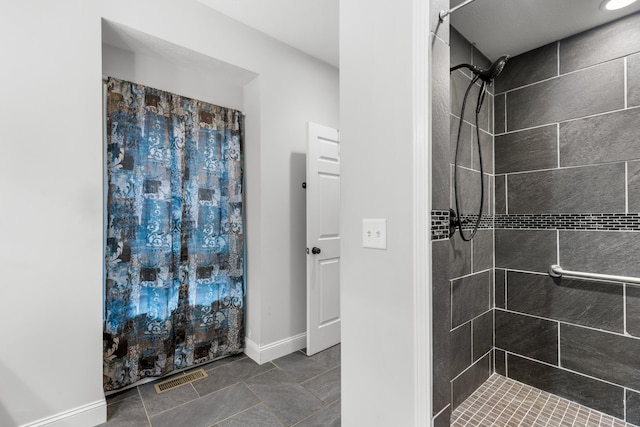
(487, 76)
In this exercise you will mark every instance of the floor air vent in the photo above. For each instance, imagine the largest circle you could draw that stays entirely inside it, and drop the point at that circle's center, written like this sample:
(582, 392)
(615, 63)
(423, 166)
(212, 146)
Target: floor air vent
(180, 381)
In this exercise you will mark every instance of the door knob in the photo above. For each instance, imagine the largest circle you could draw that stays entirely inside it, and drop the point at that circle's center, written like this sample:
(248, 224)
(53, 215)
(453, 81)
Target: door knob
(315, 250)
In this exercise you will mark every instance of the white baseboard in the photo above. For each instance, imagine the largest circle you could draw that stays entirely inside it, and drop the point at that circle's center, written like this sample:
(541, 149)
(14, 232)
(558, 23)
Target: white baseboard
(269, 352)
(91, 414)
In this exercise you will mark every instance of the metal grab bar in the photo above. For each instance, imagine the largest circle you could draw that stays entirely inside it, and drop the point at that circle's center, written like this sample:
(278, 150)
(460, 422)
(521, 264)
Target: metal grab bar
(557, 271)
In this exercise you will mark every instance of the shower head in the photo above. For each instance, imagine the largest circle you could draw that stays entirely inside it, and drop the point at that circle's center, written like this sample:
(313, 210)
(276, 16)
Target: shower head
(490, 73)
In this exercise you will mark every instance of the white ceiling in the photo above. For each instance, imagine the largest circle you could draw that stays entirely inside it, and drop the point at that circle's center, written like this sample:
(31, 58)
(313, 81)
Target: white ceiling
(511, 27)
(307, 25)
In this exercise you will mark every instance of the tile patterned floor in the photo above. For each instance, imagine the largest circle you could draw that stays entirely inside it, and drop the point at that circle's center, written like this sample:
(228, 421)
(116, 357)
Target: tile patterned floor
(502, 402)
(294, 390)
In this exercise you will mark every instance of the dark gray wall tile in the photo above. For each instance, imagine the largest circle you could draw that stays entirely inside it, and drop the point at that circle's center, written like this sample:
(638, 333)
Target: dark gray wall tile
(468, 382)
(595, 304)
(500, 194)
(499, 281)
(441, 305)
(527, 336)
(633, 310)
(486, 145)
(500, 361)
(469, 192)
(600, 354)
(459, 85)
(581, 141)
(482, 250)
(633, 186)
(527, 150)
(533, 66)
(590, 91)
(470, 297)
(443, 419)
(440, 119)
(633, 80)
(609, 41)
(459, 256)
(633, 407)
(596, 189)
(464, 144)
(460, 49)
(529, 250)
(498, 111)
(596, 394)
(461, 357)
(607, 252)
(482, 334)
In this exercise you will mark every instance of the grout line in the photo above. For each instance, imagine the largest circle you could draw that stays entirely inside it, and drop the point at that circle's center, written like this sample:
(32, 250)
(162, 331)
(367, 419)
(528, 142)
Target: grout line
(146, 413)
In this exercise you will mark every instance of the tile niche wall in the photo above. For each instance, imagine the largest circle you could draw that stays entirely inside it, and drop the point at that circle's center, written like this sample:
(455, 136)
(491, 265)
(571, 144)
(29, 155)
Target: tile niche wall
(567, 191)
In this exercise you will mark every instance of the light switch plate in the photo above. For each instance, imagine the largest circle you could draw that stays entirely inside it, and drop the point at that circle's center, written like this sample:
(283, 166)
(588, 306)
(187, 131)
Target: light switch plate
(374, 233)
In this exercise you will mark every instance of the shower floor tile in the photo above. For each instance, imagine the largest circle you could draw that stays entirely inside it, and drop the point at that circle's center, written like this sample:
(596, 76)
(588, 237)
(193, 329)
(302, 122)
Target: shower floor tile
(503, 402)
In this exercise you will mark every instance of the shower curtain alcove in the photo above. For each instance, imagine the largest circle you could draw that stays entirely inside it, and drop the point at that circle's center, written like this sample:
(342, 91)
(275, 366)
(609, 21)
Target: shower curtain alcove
(174, 258)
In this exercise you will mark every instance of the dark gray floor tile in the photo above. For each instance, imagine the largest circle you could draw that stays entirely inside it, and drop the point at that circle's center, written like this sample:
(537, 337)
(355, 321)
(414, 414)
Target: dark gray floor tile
(460, 349)
(500, 194)
(586, 391)
(443, 419)
(528, 250)
(499, 282)
(607, 252)
(122, 395)
(440, 124)
(500, 362)
(604, 355)
(633, 310)
(594, 304)
(470, 297)
(609, 41)
(326, 386)
(299, 366)
(208, 410)
(633, 80)
(526, 150)
(601, 190)
(633, 407)
(499, 103)
(633, 186)
(329, 358)
(157, 402)
(459, 256)
(328, 416)
(128, 412)
(441, 305)
(482, 335)
(231, 373)
(257, 416)
(224, 361)
(482, 250)
(284, 396)
(527, 336)
(530, 67)
(486, 145)
(581, 140)
(470, 380)
(587, 92)
(461, 50)
(464, 144)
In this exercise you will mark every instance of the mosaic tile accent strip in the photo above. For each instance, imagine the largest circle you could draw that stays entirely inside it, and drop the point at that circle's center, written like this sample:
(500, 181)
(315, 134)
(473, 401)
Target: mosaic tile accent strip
(439, 225)
(503, 402)
(586, 221)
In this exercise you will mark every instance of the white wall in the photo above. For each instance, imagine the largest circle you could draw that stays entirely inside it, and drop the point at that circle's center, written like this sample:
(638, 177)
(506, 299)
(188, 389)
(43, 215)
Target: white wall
(385, 329)
(51, 188)
(51, 216)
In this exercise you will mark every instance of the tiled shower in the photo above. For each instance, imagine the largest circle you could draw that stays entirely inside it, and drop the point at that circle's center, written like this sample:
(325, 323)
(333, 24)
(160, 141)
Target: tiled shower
(560, 135)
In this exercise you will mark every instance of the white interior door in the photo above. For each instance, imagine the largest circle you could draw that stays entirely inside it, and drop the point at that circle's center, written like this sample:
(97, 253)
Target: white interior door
(323, 238)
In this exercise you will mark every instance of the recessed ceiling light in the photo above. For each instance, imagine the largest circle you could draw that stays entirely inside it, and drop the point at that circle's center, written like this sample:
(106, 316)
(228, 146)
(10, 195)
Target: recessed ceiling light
(616, 4)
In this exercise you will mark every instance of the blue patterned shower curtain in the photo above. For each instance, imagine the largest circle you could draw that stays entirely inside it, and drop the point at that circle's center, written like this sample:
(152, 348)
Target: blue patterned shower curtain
(174, 291)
